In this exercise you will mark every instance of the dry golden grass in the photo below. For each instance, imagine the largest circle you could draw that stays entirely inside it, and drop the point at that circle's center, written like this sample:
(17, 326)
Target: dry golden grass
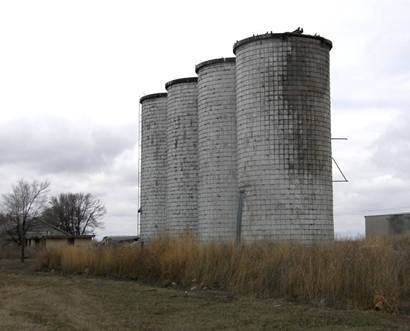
(55, 301)
(348, 273)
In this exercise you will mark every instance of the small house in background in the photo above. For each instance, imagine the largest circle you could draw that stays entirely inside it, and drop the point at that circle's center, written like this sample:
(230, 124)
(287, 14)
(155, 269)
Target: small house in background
(383, 225)
(115, 240)
(45, 235)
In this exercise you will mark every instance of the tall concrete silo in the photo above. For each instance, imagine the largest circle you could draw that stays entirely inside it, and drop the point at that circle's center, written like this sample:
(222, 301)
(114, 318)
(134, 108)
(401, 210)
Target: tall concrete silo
(182, 156)
(218, 186)
(153, 164)
(283, 132)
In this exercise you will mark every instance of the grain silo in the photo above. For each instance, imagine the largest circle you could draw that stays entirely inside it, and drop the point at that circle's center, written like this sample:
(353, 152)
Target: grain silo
(153, 164)
(283, 132)
(218, 187)
(182, 156)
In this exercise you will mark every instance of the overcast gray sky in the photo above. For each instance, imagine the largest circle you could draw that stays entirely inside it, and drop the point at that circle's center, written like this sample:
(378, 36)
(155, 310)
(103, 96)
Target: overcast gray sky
(72, 72)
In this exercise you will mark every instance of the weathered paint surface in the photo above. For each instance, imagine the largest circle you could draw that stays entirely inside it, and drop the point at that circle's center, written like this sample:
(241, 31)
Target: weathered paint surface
(218, 186)
(284, 142)
(248, 149)
(153, 166)
(182, 158)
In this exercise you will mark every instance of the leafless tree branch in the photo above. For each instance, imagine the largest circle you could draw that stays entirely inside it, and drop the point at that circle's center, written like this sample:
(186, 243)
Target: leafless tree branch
(20, 207)
(75, 213)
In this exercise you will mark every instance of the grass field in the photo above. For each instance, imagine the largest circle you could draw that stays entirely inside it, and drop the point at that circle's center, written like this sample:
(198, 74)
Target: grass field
(32, 300)
(338, 274)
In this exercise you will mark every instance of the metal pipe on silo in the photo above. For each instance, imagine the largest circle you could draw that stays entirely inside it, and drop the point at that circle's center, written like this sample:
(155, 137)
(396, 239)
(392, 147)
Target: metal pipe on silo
(218, 187)
(182, 156)
(284, 141)
(153, 165)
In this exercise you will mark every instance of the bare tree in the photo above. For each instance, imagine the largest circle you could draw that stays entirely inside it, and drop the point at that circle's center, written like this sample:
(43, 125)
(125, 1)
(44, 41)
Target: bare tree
(20, 207)
(75, 213)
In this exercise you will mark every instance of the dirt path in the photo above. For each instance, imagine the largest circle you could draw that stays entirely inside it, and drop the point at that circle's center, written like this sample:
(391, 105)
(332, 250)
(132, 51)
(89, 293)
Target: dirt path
(47, 301)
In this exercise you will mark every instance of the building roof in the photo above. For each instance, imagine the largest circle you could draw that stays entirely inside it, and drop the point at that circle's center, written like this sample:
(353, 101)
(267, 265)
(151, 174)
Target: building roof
(283, 35)
(40, 228)
(181, 81)
(87, 236)
(387, 215)
(119, 239)
(214, 61)
(153, 96)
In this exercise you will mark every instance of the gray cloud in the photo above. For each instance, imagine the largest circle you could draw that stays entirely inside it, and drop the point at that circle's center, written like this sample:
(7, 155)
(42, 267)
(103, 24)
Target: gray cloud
(391, 151)
(54, 145)
(377, 160)
(370, 88)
